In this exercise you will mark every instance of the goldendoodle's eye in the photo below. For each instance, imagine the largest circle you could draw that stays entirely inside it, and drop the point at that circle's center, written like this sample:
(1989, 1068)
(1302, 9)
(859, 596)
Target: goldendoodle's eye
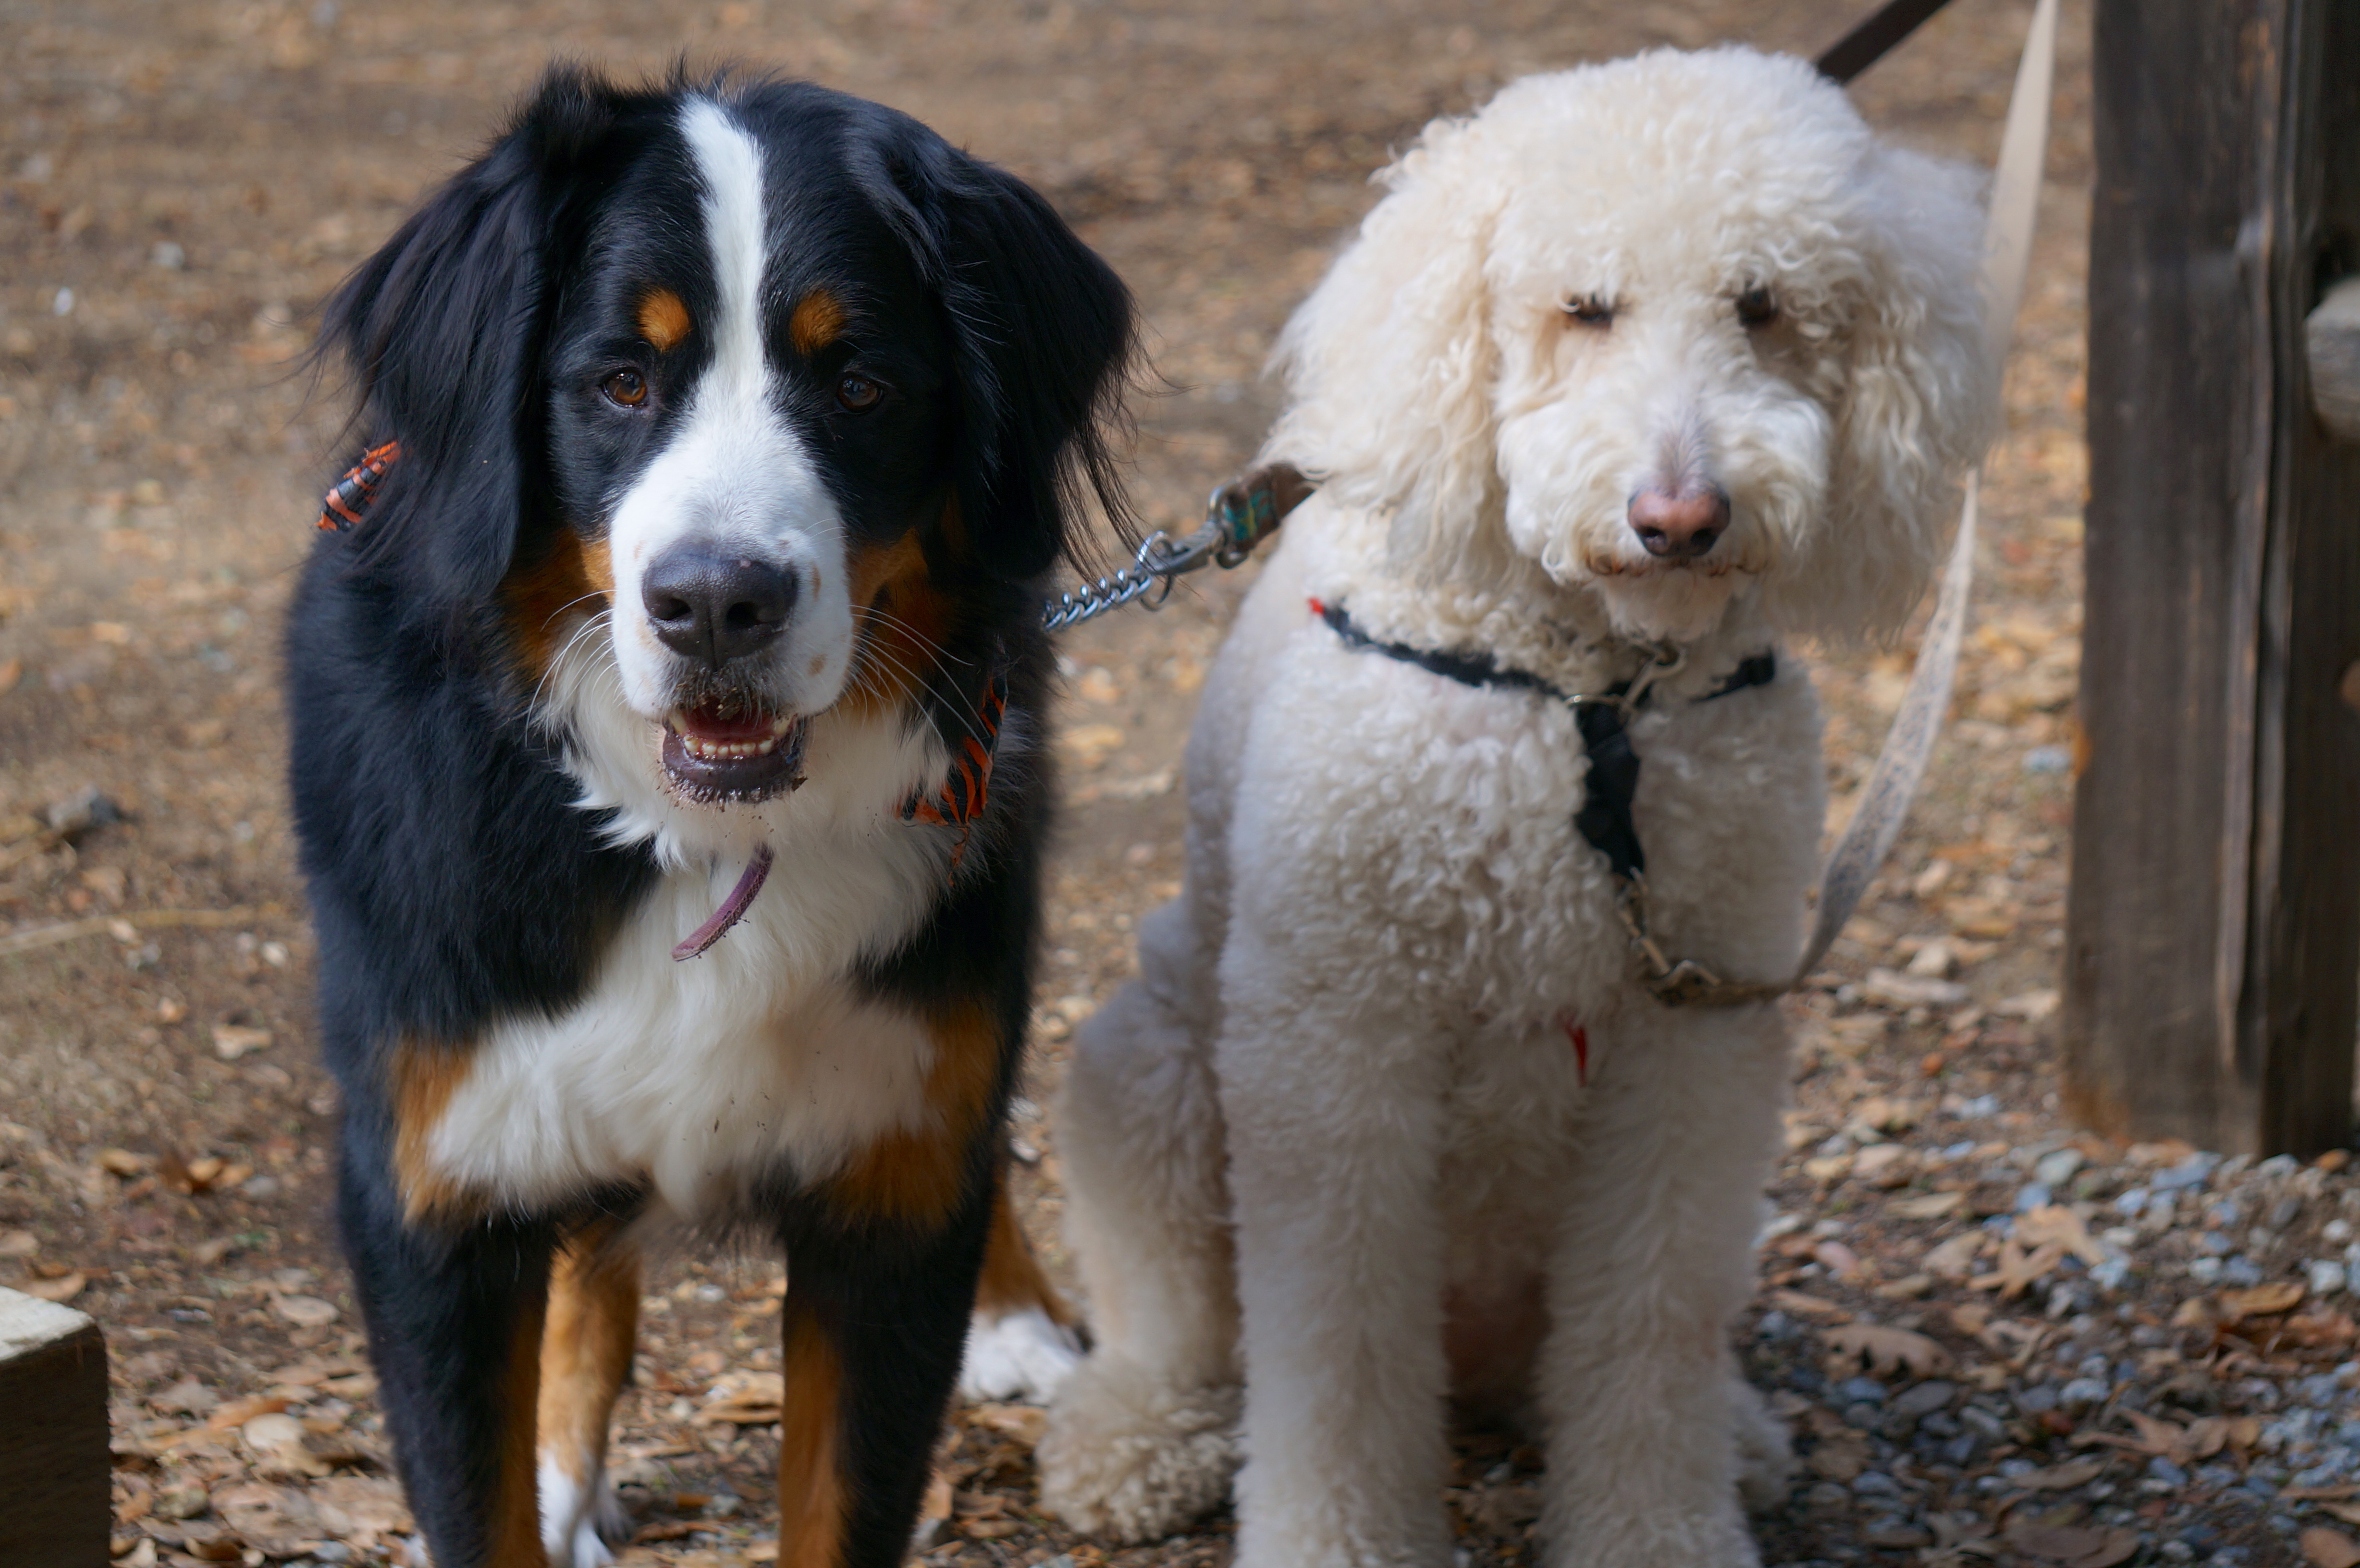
(857, 393)
(625, 388)
(1757, 307)
(1590, 310)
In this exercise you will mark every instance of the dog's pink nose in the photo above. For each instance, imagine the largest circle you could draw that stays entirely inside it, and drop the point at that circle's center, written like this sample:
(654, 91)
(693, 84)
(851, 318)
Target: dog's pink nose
(1681, 526)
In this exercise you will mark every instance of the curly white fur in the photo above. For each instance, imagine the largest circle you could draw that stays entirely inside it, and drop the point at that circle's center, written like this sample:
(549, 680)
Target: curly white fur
(1337, 1144)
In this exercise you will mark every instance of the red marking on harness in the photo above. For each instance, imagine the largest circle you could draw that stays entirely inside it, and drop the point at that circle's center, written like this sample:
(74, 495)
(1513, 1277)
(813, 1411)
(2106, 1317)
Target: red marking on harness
(1319, 609)
(1580, 1038)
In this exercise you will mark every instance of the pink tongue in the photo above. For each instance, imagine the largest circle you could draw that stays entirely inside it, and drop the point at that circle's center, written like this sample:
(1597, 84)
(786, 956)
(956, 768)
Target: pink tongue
(733, 908)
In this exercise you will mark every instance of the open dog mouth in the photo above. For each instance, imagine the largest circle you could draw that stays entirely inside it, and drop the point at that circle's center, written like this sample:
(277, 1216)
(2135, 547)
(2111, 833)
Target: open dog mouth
(712, 753)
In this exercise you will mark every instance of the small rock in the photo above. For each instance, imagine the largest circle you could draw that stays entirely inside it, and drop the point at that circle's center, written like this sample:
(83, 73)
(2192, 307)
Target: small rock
(2327, 1277)
(77, 814)
(1934, 961)
(2081, 1393)
(1925, 1399)
(2057, 1168)
(1891, 989)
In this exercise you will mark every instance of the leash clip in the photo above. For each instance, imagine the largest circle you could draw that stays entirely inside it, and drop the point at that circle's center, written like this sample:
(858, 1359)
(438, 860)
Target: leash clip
(1684, 982)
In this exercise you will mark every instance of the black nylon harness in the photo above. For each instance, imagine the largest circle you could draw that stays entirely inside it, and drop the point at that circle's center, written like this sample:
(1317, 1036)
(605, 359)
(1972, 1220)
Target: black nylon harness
(1603, 718)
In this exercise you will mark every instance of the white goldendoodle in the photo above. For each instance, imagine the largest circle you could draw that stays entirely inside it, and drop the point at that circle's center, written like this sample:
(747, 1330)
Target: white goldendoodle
(1663, 358)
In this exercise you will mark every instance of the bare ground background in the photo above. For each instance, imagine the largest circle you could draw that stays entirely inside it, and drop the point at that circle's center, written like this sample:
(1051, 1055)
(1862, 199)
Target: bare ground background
(180, 183)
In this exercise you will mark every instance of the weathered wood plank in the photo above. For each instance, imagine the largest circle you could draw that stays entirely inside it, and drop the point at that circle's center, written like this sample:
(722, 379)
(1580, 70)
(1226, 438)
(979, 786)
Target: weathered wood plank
(2215, 926)
(56, 1488)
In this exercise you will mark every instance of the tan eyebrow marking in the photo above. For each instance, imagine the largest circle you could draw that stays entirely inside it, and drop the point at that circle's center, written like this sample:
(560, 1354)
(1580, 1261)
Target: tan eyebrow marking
(818, 322)
(663, 320)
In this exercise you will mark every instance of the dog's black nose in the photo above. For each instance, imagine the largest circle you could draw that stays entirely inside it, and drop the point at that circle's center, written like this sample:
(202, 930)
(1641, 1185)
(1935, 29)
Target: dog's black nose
(1682, 525)
(717, 607)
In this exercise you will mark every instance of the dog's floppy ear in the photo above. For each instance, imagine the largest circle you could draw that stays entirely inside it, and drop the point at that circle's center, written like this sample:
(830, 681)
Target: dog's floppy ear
(1918, 399)
(1045, 336)
(442, 329)
(1390, 364)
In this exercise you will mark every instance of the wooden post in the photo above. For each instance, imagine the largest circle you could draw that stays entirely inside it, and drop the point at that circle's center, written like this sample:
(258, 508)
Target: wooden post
(56, 1495)
(2214, 932)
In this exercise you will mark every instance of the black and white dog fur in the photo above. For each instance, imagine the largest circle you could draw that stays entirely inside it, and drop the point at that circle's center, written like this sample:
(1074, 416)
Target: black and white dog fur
(739, 425)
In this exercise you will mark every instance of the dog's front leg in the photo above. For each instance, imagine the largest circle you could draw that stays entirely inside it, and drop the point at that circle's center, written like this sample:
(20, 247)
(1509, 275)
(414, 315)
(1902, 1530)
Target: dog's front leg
(1334, 1102)
(453, 1305)
(876, 1318)
(1653, 1259)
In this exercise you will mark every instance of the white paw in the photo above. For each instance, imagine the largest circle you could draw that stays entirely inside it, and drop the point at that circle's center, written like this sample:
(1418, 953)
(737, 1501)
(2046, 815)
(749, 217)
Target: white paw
(1127, 1456)
(1024, 1356)
(576, 1518)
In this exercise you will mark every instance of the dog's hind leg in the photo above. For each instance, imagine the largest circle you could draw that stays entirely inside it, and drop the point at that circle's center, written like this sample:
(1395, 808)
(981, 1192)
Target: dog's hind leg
(1651, 1432)
(1022, 1344)
(585, 1359)
(454, 1307)
(1142, 1438)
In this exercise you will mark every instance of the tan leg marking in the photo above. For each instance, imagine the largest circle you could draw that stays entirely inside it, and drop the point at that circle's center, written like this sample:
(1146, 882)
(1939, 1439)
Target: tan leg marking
(424, 1079)
(812, 1504)
(915, 1175)
(586, 1350)
(1012, 1279)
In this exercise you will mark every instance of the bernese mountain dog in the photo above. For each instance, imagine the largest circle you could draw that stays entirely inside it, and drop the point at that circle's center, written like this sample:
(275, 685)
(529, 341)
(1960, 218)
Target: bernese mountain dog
(668, 695)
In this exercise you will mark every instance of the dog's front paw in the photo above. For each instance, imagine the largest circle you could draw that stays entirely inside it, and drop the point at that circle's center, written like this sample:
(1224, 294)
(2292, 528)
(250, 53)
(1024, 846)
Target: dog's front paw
(1131, 1457)
(1022, 1356)
(578, 1518)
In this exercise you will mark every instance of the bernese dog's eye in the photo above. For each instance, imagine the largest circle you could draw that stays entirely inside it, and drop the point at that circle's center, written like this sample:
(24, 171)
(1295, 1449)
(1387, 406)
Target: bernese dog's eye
(625, 388)
(1591, 310)
(1757, 307)
(857, 393)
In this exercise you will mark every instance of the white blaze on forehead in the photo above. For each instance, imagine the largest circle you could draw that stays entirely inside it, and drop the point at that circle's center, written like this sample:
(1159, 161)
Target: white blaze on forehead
(734, 475)
(729, 165)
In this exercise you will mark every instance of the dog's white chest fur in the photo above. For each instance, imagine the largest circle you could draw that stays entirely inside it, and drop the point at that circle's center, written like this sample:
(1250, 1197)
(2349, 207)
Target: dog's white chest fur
(698, 1076)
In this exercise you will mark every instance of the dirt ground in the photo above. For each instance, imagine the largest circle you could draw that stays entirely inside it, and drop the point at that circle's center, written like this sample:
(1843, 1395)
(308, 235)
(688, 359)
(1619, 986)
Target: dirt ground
(182, 182)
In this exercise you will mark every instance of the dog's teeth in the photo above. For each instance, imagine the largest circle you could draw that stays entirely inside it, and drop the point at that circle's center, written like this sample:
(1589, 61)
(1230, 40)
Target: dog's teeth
(781, 726)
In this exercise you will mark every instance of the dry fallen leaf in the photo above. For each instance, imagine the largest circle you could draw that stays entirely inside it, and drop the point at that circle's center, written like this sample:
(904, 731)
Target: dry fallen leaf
(1931, 1206)
(1887, 1350)
(121, 1162)
(744, 1399)
(63, 1288)
(305, 1312)
(277, 1441)
(233, 1041)
(2072, 1545)
(2018, 1269)
(18, 1244)
(1955, 1258)
(186, 1398)
(2325, 1547)
(2261, 1302)
(1807, 1306)
(2061, 1477)
(1025, 1423)
(2058, 1225)
(237, 1412)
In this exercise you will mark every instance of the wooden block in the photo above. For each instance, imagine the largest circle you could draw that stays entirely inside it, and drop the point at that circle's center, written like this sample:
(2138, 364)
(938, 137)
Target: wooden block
(56, 1488)
(2331, 337)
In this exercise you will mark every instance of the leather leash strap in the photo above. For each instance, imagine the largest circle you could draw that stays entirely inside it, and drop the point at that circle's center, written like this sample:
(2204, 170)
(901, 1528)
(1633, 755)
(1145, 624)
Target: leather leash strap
(1878, 35)
(2008, 257)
